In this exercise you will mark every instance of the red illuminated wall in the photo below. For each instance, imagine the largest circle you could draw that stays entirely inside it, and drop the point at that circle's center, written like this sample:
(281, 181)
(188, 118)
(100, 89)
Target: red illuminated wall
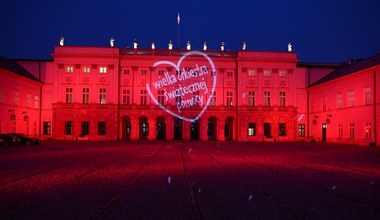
(95, 93)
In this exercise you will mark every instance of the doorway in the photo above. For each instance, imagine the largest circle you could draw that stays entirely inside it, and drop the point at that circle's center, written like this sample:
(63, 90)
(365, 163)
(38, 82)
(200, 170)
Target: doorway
(324, 132)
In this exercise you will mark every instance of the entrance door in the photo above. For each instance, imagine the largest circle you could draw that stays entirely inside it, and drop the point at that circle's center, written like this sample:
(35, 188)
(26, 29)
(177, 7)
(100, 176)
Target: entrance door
(324, 127)
(267, 130)
(194, 131)
(228, 129)
(161, 129)
(177, 129)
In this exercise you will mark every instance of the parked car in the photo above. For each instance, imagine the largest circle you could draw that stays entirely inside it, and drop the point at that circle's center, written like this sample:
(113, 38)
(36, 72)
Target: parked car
(9, 139)
(25, 139)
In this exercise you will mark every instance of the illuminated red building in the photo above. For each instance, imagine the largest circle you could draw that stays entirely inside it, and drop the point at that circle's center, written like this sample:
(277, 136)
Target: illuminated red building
(109, 93)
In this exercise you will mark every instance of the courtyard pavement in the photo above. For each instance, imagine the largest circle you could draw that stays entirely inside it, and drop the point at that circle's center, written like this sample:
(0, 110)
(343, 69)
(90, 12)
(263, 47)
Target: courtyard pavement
(189, 180)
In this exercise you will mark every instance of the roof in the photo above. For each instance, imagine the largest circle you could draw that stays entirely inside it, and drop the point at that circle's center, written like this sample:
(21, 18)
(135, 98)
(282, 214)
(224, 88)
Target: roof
(350, 67)
(16, 68)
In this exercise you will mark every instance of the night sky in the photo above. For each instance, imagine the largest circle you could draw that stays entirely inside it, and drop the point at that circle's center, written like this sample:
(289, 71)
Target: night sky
(320, 31)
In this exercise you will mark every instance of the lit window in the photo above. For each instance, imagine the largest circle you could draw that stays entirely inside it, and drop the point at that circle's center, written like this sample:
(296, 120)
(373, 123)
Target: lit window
(282, 129)
(282, 73)
(213, 99)
(102, 96)
(367, 98)
(126, 96)
(351, 98)
(46, 127)
(86, 69)
(103, 69)
(86, 95)
(282, 99)
(368, 130)
(69, 95)
(266, 98)
(229, 99)
(144, 72)
(251, 98)
(251, 73)
(267, 73)
(143, 97)
(301, 130)
(69, 69)
(251, 129)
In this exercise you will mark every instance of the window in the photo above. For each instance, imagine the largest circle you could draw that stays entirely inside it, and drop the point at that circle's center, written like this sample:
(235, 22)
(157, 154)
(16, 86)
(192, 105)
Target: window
(126, 96)
(15, 99)
(367, 98)
(251, 73)
(28, 100)
(195, 95)
(251, 129)
(340, 101)
(178, 98)
(161, 72)
(127, 72)
(213, 73)
(282, 99)
(101, 128)
(69, 95)
(266, 98)
(351, 98)
(86, 95)
(230, 74)
(68, 128)
(340, 130)
(368, 130)
(161, 98)
(324, 101)
(301, 130)
(69, 69)
(1, 95)
(102, 96)
(85, 128)
(145, 129)
(103, 69)
(267, 73)
(229, 99)
(213, 99)
(86, 69)
(143, 97)
(251, 98)
(46, 127)
(282, 73)
(144, 72)
(36, 102)
(282, 129)
(352, 130)
(14, 127)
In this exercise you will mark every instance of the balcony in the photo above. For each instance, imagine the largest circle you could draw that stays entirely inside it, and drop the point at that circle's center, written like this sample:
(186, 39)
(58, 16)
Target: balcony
(174, 52)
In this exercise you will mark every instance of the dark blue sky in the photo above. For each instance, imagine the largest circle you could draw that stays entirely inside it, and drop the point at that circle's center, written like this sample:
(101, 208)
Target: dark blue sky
(320, 31)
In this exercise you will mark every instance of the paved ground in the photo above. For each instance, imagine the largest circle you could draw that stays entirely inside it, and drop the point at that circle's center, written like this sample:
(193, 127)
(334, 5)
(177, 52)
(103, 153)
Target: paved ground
(189, 180)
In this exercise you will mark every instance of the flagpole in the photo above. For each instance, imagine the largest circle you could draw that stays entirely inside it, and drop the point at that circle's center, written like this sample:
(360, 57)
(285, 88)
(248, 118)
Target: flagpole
(178, 22)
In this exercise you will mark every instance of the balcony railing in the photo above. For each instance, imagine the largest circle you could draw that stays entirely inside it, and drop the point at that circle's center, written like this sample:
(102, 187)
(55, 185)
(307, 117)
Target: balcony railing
(174, 52)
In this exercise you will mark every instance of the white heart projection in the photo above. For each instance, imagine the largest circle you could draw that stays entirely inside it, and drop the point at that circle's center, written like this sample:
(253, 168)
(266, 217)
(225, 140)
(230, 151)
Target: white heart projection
(195, 73)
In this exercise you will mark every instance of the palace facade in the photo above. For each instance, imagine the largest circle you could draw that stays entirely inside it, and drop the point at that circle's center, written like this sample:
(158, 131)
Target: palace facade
(110, 93)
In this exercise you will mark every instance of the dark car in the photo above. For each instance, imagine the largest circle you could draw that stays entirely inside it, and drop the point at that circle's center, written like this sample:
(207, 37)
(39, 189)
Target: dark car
(25, 139)
(9, 139)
